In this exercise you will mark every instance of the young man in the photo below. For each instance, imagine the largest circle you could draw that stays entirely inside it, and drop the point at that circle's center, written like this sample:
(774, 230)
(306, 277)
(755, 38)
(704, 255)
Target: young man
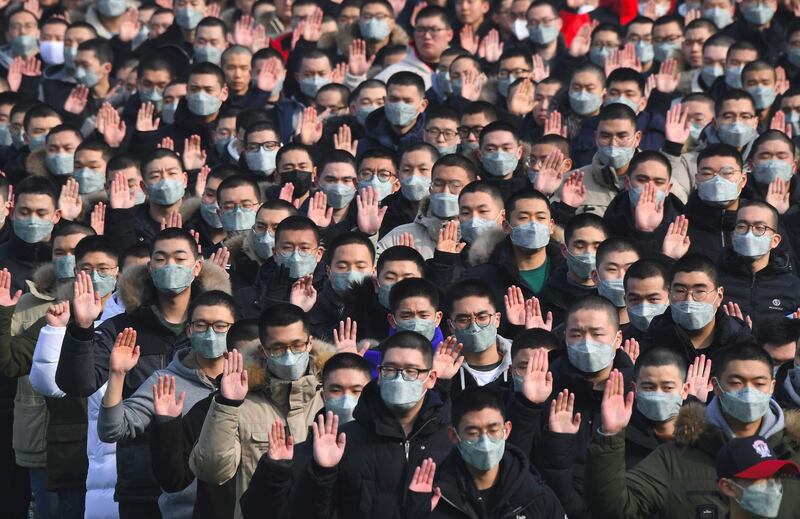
(414, 306)
(260, 145)
(481, 214)
(402, 120)
(646, 295)
(756, 272)
(500, 153)
(206, 221)
(58, 156)
(585, 96)
(695, 323)
(627, 86)
(91, 162)
(335, 209)
(483, 463)
(190, 373)
(759, 79)
(294, 164)
(158, 297)
(93, 65)
(366, 98)
(441, 129)
(679, 479)
(378, 169)
(239, 199)
(614, 257)
(414, 173)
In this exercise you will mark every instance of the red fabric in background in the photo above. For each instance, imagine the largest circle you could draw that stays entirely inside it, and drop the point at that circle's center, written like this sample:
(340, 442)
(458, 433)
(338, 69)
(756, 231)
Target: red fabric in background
(627, 10)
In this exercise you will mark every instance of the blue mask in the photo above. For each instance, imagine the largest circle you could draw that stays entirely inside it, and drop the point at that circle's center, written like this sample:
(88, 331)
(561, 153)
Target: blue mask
(424, 327)
(32, 229)
(18, 139)
(471, 229)
(581, 265)
(414, 187)
(238, 219)
(721, 17)
(139, 194)
(531, 235)
(746, 405)
(758, 14)
(362, 112)
(441, 81)
(342, 407)
(5, 135)
(477, 338)
(518, 383)
(111, 8)
(374, 29)
(202, 104)
(644, 51)
(24, 45)
(400, 114)
(750, 246)
(401, 394)
(166, 192)
(543, 34)
(503, 84)
(615, 156)
(692, 315)
(152, 96)
(718, 190)
(665, 50)
(613, 290)
(262, 161)
(209, 214)
(36, 142)
(584, 103)
(642, 314)
(658, 406)
(221, 144)
(289, 366)
(484, 453)
(383, 188)
(762, 498)
(590, 356)
(168, 112)
(457, 84)
(86, 77)
(733, 76)
(710, 74)
(309, 86)
(500, 163)
(624, 101)
(767, 171)
(636, 193)
(695, 130)
(339, 195)
(64, 266)
(383, 294)
(209, 344)
(60, 164)
(763, 96)
(341, 282)
(444, 205)
(89, 180)
(447, 149)
(103, 283)
(188, 18)
(598, 55)
(207, 53)
(263, 244)
(172, 279)
(298, 263)
(70, 53)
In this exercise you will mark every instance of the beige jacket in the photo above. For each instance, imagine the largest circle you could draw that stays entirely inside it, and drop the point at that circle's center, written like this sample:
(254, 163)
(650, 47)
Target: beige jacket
(425, 230)
(234, 438)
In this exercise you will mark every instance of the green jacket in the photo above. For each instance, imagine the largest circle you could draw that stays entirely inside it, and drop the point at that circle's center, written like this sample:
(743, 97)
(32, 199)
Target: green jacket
(678, 480)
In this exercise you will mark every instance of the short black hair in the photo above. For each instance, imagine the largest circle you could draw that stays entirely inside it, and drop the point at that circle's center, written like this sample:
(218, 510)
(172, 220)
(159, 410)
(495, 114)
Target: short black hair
(278, 205)
(346, 360)
(481, 186)
(469, 288)
(409, 341)
(379, 153)
(208, 69)
(559, 142)
(774, 215)
(293, 146)
(67, 228)
(647, 268)
(649, 156)
(261, 126)
(242, 331)
(101, 48)
(406, 78)
(776, 331)
(498, 126)
(615, 244)
(719, 149)
(475, 399)
(160, 153)
(65, 128)
(213, 298)
(413, 287)
(175, 233)
(660, 356)
(297, 222)
(455, 160)
(400, 253)
(122, 161)
(743, 348)
(92, 243)
(137, 250)
(695, 262)
(624, 74)
(153, 62)
(594, 303)
(523, 194)
(732, 94)
(616, 112)
(338, 157)
(581, 221)
(235, 181)
(534, 338)
(484, 108)
(434, 11)
(279, 315)
(36, 111)
(350, 238)
(247, 118)
(36, 186)
(767, 136)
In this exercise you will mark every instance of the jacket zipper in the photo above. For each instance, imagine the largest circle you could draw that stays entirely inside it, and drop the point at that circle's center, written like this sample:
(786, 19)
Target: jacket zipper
(753, 293)
(722, 228)
(407, 442)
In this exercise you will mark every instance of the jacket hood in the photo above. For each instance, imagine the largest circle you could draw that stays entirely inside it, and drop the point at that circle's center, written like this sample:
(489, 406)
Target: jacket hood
(343, 39)
(35, 164)
(431, 223)
(242, 244)
(481, 249)
(691, 424)
(258, 375)
(135, 285)
(43, 283)
(179, 369)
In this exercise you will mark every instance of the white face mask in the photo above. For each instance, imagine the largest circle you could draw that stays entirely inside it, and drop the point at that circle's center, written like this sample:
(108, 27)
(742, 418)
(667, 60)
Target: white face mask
(52, 52)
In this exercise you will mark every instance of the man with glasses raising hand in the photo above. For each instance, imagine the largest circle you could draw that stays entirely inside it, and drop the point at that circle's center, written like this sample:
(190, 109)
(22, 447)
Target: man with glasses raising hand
(695, 322)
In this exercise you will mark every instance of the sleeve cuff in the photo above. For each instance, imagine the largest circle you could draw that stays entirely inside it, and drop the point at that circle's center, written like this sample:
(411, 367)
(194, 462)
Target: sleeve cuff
(672, 148)
(224, 401)
(80, 334)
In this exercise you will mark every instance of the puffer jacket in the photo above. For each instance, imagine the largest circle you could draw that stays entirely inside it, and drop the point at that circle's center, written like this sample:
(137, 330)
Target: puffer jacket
(379, 134)
(372, 479)
(425, 230)
(236, 434)
(679, 478)
(773, 291)
(602, 183)
(710, 227)
(83, 363)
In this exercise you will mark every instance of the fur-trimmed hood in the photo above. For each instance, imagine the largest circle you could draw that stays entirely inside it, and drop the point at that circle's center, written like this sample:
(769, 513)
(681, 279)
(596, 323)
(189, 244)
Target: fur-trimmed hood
(135, 285)
(242, 244)
(481, 249)
(35, 164)
(691, 423)
(341, 40)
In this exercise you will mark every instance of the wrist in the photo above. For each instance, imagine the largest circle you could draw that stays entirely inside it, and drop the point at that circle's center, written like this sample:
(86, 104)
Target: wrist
(603, 431)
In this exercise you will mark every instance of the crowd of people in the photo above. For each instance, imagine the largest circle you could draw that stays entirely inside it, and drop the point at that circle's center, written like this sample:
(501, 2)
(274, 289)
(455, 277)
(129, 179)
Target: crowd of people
(480, 259)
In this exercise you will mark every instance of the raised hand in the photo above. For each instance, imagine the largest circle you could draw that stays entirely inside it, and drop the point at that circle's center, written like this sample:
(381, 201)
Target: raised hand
(33, 7)
(582, 41)
(286, 194)
(469, 40)
(676, 241)
(778, 122)
(86, 303)
(328, 446)
(77, 99)
(268, 74)
(343, 140)
(130, 25)
(201, 181)
(167, 143)
(541, 71)
(220, 258)
(617, 407)
(303, 293)
(613, 61)
(417, 8)
(233, 385)
(194, 155)
(734, 310)
(125, 353)
(32, 67)
(628, 58)
(553, 124)
(406, 239)
(173, 219)
(58, 315)
(14, 77)
(515, 305)
(346, 338)
(318, 210)
(698, 376)
(144, 118)
(778, 195)
(447, 240)
(520, 102)
(631, 347)
(561, 418)
(678, 125)
(281, 445)
(110, 125)
(668, 76)
(260, 39)
(6, 299)
(121, 196)
(357, 61)
(447, 360)
(69, 201)
(648, 213)
(337, 76)
(164, 401)
(98, 218)
(213, 10)
(573, 192)
(312, 27)
(472, 85)
(370, 213)
(310, 126)
(781, 83)
(534, 317)
(491, 48)
(549, 178)
(243, 31)
(422, 481)
(537, 383)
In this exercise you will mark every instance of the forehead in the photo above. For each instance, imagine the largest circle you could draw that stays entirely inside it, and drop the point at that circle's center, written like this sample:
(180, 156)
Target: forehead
(452, 173)
(346, 377)
(477, 198)
(651, 168)
(212, 312)
(22, 17)
(236, 193)
(717, 162)
(400, 266)
(417, 302)
(615, 125)
(260, 135)
(295, 156)
(162, 163)
(775, 145)
(315, 62)
(238, 58)
(351, 250)
(754, 214)
(692, 278)
(640, 28)
(699, 106)
(403, 357)
(646, 285)
(479, 119)
(329, 95)
(588, 233)
(464, 63)
(203, 79)
(97, 257)
(747, 369)
(605, 35)
(666, 372)
(79, 33)
(621, 257)
(547, 89)
(338, 169)
(416, 157)
(403, 90)
(485, 416)
(298, 236)
(499, 136)
(624, 85)
(531, 205)
(372, 92)
(173, 245)
(585, 77)
(376, 162)
(441, 123)
(472, 303)
(667, 28)
(34, 200)
(594, 317)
